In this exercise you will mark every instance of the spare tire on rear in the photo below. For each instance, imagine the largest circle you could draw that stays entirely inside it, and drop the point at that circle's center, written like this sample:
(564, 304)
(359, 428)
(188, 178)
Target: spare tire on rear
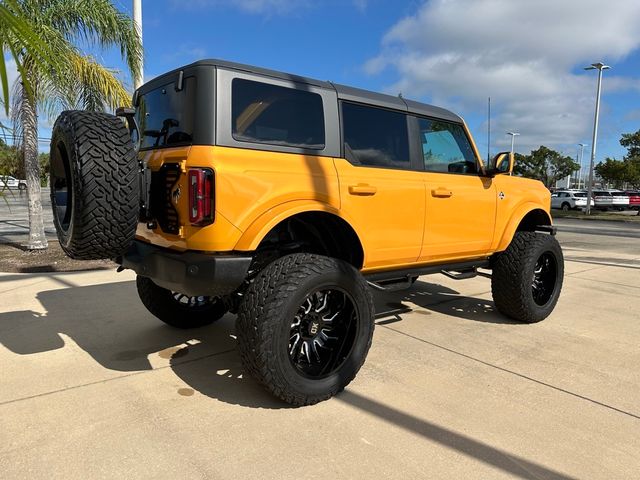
(95, 191)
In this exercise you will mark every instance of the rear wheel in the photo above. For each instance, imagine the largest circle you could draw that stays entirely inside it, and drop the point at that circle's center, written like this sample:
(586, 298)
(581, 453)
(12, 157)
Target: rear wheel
(94, 185)
(177, 309)
(566, 207)
(305, 326)
(527, 277)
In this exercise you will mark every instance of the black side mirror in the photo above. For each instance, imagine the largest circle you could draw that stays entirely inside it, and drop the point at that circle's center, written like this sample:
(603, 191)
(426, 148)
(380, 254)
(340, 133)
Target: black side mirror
(501, 164)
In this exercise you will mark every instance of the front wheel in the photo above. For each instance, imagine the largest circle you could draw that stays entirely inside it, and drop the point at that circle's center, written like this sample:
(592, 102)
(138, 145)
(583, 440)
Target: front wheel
(177, 309)
(305, 326)
(566, 207)
(527, 277)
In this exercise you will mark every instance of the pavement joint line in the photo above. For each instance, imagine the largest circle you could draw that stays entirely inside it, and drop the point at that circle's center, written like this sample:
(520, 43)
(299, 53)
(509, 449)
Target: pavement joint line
(511, 372)
(604, 281)
(98, 382)
(22, 286)
(615, 265)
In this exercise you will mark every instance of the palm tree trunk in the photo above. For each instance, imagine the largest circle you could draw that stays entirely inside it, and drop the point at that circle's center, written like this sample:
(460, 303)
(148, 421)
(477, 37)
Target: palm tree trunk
(29, 117)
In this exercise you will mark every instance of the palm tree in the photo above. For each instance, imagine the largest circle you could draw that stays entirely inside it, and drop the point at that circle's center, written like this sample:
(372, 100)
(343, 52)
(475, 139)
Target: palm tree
(77, 82)
(16, 35)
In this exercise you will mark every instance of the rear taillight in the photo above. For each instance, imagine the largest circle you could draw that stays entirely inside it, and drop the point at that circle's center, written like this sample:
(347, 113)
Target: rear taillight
(201, 196)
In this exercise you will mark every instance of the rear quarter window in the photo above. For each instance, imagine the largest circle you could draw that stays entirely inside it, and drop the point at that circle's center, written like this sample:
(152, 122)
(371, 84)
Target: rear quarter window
(275, 115)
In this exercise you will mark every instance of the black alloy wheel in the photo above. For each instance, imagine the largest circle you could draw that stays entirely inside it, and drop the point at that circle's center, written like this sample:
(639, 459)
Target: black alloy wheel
(322, 333)
(180, 310)
(545, 275)
(304, 327)
(527, 277)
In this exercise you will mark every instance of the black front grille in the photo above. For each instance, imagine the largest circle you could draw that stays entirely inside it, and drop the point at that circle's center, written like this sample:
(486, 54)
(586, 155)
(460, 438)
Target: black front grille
(162, 202)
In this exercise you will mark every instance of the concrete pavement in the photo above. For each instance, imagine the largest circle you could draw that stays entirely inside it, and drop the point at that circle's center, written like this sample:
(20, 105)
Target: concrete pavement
(93, 386)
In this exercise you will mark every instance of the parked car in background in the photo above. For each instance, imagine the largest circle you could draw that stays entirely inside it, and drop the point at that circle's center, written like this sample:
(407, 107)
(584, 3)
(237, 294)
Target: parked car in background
(7, 181)
(603, 199)
(620, 199)
(634, 199)
(569, 200)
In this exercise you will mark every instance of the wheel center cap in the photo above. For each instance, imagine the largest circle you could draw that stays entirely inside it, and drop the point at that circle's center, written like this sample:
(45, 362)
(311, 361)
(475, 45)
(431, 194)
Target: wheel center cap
(314, 327)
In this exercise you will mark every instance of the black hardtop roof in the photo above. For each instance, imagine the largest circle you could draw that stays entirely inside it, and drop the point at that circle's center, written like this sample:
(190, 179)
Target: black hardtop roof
(344, 92)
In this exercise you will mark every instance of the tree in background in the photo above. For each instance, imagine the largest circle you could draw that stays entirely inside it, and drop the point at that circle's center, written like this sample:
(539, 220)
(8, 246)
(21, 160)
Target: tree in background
(79, 82)
(626, 171)
(546, 165)
(631, 141)
(16, 35)
(618, 172)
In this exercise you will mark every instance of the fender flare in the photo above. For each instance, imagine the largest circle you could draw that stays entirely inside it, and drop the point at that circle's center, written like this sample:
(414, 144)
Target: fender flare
(261, 226)
(516, 219)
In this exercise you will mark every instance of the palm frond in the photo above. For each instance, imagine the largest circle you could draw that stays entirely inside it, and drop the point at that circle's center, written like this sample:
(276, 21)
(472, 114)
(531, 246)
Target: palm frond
(17, 35)
(95, 87)
(96, 22)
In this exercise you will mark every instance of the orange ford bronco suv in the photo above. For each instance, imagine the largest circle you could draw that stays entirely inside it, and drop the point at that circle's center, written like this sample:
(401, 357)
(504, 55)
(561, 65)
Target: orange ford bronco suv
(230, 188)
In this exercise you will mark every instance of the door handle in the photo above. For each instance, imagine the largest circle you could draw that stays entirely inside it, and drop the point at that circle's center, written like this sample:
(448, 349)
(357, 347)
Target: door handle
(441, 192)
(362, 189)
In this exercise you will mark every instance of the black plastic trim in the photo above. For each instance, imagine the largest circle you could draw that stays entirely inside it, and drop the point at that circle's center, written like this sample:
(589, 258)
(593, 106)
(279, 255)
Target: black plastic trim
(191, 273)
(547, 228)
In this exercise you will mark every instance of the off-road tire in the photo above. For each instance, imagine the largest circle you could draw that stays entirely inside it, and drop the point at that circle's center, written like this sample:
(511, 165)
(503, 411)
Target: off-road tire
(265, 320)
(514, 274)
(164, 304)
(94, 185)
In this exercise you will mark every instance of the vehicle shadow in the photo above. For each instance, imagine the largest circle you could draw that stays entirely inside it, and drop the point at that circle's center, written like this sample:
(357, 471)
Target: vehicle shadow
(426, 298)
(110, 323)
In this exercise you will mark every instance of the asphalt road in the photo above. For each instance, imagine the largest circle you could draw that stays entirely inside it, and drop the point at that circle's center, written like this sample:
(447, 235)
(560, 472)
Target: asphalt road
(93, 386)
(14, 216)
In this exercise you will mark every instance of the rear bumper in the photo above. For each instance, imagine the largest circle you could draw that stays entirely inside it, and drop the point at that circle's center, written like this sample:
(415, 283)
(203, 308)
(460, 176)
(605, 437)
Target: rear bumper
(191, 273)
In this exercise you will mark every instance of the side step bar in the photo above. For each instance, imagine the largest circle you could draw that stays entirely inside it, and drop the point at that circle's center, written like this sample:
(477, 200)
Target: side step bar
(403, 279)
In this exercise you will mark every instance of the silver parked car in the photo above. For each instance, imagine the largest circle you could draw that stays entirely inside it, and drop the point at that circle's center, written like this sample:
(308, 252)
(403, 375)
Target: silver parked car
(569, 200)
(620, 200)
(603, 198)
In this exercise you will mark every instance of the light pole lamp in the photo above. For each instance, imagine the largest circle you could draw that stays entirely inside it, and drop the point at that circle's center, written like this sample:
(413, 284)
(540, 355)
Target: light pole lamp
(513, 137)
(600, 67)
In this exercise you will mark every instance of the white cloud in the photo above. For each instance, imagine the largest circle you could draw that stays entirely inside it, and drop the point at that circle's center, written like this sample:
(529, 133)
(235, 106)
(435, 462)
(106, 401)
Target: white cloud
(361, 5)
(526, 55)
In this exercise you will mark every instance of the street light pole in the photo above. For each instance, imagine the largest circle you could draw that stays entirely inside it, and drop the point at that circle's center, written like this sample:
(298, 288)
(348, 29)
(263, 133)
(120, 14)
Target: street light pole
(137, 24)
(513, 137)
(581, 177)
(600, 67)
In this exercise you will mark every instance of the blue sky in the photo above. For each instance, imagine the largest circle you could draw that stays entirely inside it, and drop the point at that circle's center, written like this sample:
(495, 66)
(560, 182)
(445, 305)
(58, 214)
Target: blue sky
(527, 55)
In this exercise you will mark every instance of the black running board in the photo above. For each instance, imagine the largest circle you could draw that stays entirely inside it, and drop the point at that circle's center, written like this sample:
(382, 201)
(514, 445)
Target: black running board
(402, 279)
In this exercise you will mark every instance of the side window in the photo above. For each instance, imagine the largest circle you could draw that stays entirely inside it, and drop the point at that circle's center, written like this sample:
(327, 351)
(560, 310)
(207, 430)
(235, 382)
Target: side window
(375, 137)
(446, 148)
(265, 113)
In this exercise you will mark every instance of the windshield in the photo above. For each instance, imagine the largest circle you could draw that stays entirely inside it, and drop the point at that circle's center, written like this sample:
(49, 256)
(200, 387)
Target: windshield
(166, 117)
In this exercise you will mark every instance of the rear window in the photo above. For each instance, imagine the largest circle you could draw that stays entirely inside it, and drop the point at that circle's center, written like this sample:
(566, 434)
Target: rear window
(166, 116)
(602, 194)
(580, 195)
(265, 113)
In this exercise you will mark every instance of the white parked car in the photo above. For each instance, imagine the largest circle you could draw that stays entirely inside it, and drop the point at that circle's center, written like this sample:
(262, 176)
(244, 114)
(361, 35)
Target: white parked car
(569, 200)
(7, 181)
